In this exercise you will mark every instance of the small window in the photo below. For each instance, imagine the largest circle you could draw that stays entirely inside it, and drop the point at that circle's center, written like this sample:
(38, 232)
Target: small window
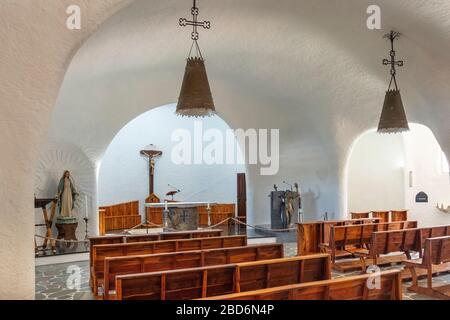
(444, 163)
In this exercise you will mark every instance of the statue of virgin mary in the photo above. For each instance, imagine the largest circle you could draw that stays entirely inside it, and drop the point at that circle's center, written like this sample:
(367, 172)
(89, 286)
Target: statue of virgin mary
(66, 195)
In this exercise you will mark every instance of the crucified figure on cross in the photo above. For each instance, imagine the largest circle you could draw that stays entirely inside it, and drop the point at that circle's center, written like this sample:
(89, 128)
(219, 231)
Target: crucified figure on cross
(151, 155)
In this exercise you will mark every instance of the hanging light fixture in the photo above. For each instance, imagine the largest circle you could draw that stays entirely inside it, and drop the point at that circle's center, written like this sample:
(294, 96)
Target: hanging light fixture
(195, 97)
(393, 117)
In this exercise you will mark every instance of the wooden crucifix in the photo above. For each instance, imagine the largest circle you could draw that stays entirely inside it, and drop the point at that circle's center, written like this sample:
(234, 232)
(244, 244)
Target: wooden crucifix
(151, 155)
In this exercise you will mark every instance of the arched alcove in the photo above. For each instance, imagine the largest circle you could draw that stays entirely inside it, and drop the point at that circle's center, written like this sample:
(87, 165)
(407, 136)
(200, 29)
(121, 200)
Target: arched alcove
(123, 173)
(386, 172)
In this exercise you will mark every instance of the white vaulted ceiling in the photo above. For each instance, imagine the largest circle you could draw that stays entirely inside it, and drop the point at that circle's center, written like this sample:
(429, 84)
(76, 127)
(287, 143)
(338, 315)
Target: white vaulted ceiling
(310, 68)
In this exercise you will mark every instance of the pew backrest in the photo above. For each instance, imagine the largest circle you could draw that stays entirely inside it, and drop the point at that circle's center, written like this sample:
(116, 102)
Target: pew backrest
(436, 251)
(311, 235)
(115, 266)
(218, 280)
(433, 232)
(399, 215)
(361, 234)
(359, 215)
(347, 288)
(383, 215)
(385, 242)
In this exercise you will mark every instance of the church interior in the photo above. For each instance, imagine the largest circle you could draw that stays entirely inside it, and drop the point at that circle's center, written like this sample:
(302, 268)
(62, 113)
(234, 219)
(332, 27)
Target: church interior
(225, 150)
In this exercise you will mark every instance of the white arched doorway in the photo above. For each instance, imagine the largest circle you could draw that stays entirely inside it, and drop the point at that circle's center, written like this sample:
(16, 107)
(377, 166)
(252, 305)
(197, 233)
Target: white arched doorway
(123, 174)
(386, 172)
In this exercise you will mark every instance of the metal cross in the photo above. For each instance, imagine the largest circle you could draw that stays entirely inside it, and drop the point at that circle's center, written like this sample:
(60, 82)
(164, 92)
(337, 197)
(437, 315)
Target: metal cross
(393, 35)
(194, 22)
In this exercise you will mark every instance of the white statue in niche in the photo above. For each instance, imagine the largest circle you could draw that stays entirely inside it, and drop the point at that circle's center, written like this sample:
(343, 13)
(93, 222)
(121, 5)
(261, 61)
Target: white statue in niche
(67, 195)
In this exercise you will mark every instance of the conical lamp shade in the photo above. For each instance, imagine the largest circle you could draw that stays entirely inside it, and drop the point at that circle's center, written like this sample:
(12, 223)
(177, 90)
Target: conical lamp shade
(195, 97)
(393, 117)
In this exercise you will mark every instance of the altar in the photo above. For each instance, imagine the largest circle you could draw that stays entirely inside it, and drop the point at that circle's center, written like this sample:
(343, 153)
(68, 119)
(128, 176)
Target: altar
(181, 216)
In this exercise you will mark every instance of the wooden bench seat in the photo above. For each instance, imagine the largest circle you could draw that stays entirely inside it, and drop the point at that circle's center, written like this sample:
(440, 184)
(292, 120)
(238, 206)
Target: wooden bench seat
(101, 252)
(347, 288)
(345, 240)
(190, 259)
(436, 252)
(205, 282)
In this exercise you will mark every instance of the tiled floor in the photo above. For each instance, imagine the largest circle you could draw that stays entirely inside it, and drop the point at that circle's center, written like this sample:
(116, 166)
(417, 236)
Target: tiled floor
(71, 281)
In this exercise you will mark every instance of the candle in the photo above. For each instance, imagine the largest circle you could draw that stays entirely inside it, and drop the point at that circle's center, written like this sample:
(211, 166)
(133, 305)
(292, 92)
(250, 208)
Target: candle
(86, 201)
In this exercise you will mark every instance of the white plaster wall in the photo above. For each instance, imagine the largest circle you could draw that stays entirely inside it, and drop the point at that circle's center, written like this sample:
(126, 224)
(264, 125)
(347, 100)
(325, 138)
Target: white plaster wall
(124, 172)
(423, 158)
(35, 52)
(376, 173)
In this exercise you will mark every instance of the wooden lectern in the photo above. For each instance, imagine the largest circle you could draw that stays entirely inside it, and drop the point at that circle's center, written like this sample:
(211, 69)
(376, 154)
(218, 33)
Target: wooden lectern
(48, 223)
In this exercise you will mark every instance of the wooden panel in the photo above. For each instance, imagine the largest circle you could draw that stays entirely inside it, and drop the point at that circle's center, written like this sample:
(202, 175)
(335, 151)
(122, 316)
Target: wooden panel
(383, 215)
(118, 217)
(399, 215)
(360, 215)
(211, 281)
(348, 288)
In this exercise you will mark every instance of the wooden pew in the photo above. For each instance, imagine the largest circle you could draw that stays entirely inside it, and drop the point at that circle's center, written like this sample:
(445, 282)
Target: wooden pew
(101, 252)
(383, 215)
(386, 242)
(179, 260)
(218, 280)
(405, 241)
(358, 236)
(127, 238)
(436, 252)
(118, 239)
(311, 235)
(347, 288)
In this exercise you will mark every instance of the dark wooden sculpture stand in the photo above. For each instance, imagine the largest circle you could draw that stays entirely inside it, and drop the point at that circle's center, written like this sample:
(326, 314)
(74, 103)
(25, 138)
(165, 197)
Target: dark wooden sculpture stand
(67, 231)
